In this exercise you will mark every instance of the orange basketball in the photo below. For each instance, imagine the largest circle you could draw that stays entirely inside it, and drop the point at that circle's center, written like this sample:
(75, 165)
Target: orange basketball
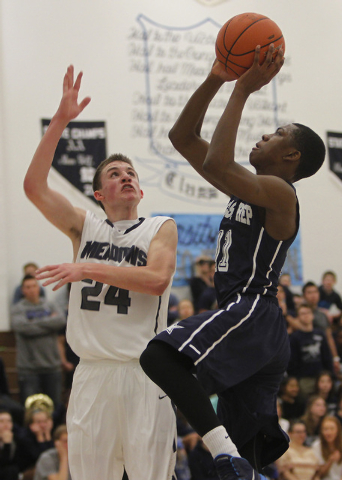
(237, 39)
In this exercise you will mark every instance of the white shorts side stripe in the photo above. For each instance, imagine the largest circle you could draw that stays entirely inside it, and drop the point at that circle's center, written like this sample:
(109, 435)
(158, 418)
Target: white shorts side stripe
(230, 330)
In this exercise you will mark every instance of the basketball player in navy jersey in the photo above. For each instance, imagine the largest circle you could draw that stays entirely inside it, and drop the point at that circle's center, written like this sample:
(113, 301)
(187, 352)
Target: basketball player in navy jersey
(240, 351)
(121, 279)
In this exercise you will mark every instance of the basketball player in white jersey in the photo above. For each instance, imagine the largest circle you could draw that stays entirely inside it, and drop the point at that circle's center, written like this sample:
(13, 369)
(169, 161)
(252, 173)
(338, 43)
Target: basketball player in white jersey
(121, 279)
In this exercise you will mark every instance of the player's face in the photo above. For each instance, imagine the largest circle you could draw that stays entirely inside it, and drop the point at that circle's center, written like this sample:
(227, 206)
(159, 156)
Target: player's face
(119, 184)
(272, 148)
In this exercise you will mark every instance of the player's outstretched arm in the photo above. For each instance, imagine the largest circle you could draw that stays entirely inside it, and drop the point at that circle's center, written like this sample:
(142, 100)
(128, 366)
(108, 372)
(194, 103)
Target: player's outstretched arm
(220, 165)
(152, 279)
(185, 135)
(56, 208)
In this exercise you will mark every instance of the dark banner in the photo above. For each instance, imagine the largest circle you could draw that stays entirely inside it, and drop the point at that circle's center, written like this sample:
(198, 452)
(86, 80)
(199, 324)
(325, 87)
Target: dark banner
(335, 153)
(80, 150)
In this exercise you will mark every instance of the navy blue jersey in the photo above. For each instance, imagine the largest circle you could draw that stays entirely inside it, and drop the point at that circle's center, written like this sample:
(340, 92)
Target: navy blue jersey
(248, 259)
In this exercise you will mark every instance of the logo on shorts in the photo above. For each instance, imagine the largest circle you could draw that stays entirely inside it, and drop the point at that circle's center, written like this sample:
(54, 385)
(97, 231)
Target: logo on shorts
(172, 327)
(162, 396)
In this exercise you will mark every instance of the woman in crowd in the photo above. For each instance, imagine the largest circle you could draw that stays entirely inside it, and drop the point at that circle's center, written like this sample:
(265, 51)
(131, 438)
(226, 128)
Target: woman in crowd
(326, 389)
(316, 410)
(299, 462)
(328, 449)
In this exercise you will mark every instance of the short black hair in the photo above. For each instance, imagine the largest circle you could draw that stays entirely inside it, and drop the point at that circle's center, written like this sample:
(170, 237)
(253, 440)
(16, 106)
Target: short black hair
(307, 285)
(27, 277)
(312, 150)
(116, 157)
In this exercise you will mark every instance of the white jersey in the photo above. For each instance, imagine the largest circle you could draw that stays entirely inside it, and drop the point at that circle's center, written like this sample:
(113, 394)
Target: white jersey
(106, 322)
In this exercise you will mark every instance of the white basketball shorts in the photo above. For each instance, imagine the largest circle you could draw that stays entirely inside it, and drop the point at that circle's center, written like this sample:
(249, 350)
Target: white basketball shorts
(118, 418)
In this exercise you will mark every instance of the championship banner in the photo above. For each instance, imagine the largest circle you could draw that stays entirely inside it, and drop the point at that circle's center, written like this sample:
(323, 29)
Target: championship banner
(335, 153)
(81, 149)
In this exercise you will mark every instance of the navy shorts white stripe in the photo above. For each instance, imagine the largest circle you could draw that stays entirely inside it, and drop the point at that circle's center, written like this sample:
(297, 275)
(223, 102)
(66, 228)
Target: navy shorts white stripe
(240, 352)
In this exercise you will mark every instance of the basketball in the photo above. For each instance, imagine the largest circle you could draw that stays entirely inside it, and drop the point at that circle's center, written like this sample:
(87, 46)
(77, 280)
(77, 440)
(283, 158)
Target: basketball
(237, 39)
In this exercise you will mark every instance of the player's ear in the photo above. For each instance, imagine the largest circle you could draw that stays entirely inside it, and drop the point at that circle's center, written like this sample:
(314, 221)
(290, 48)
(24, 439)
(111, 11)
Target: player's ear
(142, 193)
(294, 155)
(98, 196)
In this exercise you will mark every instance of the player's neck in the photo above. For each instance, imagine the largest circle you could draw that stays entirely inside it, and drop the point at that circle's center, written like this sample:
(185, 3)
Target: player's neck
(122, 213)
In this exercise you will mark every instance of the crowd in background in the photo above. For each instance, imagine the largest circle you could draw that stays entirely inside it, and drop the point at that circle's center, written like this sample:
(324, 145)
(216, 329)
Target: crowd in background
(33, 435)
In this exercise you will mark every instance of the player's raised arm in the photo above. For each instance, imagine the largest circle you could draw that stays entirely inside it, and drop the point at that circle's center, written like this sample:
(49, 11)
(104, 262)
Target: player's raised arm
(264, 189)
(56, 208)
(185, 135)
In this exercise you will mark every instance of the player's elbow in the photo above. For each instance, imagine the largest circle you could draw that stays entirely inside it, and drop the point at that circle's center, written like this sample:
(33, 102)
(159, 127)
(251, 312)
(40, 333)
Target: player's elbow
(179, 138)
(160, 285)
(30, 188)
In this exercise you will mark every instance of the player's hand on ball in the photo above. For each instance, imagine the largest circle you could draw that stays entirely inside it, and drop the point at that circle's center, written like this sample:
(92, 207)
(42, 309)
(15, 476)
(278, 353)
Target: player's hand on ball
(258, 75)
(219, 70)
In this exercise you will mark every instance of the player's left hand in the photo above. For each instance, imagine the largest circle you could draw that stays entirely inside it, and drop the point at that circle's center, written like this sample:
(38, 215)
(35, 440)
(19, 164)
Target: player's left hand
(60, 274)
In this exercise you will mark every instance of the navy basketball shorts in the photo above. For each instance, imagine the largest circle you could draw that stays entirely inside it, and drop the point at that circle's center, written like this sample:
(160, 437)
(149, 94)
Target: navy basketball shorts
(234, 343)
(240, 353)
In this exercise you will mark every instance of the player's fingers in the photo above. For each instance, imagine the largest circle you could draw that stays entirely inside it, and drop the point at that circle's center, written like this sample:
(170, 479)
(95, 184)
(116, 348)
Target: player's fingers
(78, 81)
(60, 284)
(269, 55)
(47, 268)
(84, 103)
(257, 55)
(65, 83)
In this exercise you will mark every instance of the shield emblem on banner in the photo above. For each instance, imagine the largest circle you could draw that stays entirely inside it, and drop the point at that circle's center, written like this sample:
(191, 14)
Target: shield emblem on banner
(81, 149)
(170, 63)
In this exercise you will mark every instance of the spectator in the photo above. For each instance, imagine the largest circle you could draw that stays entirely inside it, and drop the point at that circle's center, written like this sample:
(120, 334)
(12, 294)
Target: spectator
(36, 323)
(299, 462)
(207, 300)
(6, 402)
(311, 297)
(53, 463)
(201, 463)
(182, 467)
(202, 279)
(28, 269)
(35, 439)
(184, 431)
(283, 422)
(289, 315)
(338, 411)
(328, 449)
(310, 352)
(9, 469)
(285, 282)
(185, 309)
(292, 403)
(330, 300)
(172, 310)
(325, 388)
(315, 411)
